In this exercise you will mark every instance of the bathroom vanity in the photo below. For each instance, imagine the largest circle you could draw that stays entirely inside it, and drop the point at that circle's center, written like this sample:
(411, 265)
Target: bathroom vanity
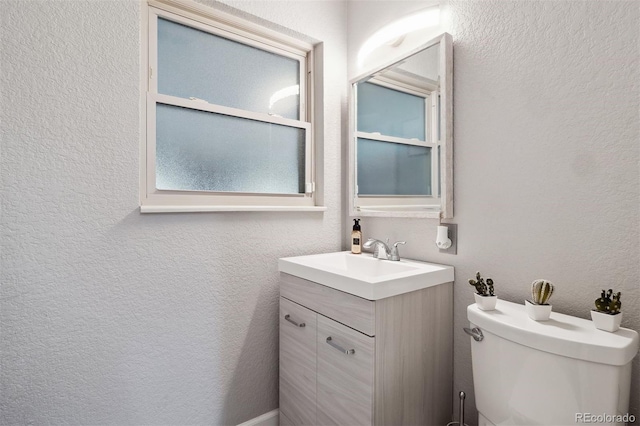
(364, 341)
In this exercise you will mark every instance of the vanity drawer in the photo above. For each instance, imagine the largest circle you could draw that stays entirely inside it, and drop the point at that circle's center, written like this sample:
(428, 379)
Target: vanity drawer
(353, 311)
(345, 375)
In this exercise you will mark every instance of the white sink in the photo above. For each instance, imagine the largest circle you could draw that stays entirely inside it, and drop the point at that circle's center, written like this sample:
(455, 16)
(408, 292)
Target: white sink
(364, 276)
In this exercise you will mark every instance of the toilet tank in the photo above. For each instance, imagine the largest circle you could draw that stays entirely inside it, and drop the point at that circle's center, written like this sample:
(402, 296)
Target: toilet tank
(557, 372)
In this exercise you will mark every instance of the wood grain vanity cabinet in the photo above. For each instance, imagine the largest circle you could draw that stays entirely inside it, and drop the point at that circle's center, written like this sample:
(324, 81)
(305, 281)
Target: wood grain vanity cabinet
(345, 360)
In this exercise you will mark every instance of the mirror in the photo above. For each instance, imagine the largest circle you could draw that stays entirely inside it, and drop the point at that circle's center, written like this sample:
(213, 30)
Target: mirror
(401, 135)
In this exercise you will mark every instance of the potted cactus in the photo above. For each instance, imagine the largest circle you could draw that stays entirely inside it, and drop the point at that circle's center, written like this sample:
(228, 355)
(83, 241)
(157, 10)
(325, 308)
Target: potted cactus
(484, 295)
(538, 308)
(607, 315)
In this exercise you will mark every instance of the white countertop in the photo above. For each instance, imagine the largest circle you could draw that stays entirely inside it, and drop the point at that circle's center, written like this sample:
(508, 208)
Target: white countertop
(364, 276)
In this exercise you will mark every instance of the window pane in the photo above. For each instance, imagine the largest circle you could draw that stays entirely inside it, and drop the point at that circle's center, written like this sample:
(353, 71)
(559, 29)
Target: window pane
(202, 151)
(390, 112)
(386, 168)
(194, 63)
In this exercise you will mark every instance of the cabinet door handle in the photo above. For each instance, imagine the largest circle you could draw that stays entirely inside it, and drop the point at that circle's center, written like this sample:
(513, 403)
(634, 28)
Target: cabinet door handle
(288, 318)
(340, 348)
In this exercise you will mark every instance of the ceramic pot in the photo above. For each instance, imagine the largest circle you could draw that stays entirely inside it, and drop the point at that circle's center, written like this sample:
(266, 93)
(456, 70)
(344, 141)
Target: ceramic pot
(606, 322)
(485, 303)
(537, 312)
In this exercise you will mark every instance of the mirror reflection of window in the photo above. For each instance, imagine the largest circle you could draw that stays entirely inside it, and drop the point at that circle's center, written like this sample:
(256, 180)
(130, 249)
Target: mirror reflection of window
(400, 141)
(386, 168)
(390, 112)
(392, 125)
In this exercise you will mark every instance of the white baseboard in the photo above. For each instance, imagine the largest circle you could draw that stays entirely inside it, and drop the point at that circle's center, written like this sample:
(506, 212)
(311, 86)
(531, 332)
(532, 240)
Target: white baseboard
(267, 419)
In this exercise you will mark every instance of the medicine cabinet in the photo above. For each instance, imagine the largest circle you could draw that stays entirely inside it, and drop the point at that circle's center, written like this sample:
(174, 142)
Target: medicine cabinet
(401, 135)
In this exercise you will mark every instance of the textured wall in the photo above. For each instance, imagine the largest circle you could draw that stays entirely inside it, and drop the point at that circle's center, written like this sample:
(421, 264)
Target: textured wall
(546, 147)
(112, 317)
(108, 316)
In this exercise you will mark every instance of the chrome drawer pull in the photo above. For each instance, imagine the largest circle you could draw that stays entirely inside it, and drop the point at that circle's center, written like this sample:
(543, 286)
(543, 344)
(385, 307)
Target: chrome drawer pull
(288, 318)
(340, 348)
(474, 332)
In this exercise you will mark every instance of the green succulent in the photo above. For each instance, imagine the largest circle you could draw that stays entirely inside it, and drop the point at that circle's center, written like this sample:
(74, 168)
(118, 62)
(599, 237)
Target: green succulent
(541, 291)
(608, 302)
(482, 288)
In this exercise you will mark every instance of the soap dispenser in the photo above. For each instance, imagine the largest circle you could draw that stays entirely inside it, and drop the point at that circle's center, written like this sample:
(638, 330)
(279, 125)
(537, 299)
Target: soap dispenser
(356, 237)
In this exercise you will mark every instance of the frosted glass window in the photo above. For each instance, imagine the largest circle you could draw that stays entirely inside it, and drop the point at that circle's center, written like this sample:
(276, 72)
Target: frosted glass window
(390, 112)
(194, 63)
(202, 151)
(227, 124)
(386, 168)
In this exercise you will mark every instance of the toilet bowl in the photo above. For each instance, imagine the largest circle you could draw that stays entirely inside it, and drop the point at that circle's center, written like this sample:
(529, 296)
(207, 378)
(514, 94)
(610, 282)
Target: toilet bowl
(557, 372)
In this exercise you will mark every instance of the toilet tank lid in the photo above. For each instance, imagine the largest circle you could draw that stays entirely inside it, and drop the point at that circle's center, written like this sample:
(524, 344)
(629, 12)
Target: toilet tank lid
(562, 334)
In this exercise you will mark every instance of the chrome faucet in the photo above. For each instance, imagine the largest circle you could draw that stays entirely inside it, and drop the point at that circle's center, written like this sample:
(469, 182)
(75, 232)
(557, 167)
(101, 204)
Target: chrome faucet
(381, 249)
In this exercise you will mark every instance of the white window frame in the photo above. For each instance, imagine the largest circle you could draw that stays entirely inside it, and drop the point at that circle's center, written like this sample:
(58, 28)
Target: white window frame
(194, 15)
(429, 92)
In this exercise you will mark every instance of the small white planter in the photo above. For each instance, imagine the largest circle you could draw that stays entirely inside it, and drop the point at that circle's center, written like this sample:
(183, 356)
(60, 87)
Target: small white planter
(485, 303)
(537, 312)
(606, 322)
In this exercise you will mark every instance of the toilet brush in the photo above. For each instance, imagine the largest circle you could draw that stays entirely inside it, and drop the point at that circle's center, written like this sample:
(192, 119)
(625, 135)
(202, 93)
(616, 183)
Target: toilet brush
(460, 421)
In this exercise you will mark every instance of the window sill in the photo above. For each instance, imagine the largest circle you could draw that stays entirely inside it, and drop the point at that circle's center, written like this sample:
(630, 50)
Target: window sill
(203, 209)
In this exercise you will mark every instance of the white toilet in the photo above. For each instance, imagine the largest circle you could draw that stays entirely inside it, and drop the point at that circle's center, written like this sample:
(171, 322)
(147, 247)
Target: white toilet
(557, 372)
